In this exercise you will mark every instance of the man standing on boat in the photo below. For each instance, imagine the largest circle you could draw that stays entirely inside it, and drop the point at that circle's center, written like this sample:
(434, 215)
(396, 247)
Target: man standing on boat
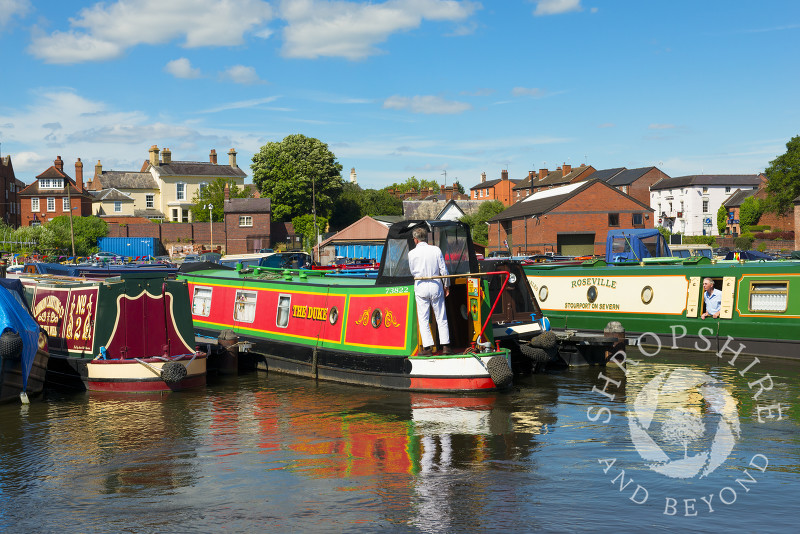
(426, 261)
(712, 298)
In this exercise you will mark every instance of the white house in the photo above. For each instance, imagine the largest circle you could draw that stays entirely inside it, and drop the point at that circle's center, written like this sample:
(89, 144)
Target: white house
(689, 204)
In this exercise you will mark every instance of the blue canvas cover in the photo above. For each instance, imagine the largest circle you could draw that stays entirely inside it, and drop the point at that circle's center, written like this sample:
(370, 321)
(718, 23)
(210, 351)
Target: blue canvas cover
(635, 244)
(15, 317)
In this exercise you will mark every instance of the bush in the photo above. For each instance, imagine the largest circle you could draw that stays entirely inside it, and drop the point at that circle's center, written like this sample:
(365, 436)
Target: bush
(700, 240)
(760, 228)
(744, 242)
(775, 236)
(762, 247)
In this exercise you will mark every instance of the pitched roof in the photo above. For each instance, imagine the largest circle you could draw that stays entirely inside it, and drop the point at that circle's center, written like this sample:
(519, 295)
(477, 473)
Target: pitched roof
(708, 179)
(247, 205)
(364, 229)
(737, 197)
(197, 168)
(605, 174)
(126, 180)
(111, 194)
(34, 189)
(149, 214)
(549, 199)
(488, 184)
(628, 176)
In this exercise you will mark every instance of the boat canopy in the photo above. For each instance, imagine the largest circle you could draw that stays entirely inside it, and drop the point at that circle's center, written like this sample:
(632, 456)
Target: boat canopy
(635, 244)
(452, 237)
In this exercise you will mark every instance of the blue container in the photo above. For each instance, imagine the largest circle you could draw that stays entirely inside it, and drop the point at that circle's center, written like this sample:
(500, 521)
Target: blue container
(130, 247)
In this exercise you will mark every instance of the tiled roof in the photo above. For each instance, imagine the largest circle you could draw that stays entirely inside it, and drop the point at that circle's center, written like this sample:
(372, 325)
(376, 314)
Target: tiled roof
(737, 197)
(197, 168)
(126, 180)
(628, 176)
(111, 194)
(247, 205)
(489, 184)
(605, 174)
(708, 179)
(148, 214)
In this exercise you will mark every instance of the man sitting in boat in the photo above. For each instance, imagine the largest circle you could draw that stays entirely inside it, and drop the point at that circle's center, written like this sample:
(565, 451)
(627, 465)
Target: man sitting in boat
(712, 298)
(426, 261)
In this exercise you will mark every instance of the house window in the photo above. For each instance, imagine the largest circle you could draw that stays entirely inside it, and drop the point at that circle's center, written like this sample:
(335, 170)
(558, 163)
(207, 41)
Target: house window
(244, 309)
(150, 201)
(637, 219)
(728, 189)
(51, 204)
(705, 190)
(117, 206)
(203, 186)
(65, 204)
(51, 183)
(180, 191)
(245, 220)
(185, 216)
(175, 215)
(201, 301)
(613, 219)
(705, 206)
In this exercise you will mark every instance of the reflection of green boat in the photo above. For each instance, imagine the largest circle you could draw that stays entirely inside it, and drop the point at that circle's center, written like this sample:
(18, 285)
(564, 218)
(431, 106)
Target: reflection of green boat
(760, 302)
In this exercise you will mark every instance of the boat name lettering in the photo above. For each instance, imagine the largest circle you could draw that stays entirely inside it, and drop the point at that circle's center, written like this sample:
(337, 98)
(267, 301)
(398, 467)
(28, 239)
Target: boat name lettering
(50, 302)
(591, 306)
(603, 282)
(310, 312)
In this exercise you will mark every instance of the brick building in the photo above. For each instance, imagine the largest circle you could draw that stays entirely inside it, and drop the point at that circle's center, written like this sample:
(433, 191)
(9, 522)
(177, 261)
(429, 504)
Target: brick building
(546, 179)
(573, 219)
(10, 205)
(634, 182)
(53, 193)
(494, 189)
(247, 224)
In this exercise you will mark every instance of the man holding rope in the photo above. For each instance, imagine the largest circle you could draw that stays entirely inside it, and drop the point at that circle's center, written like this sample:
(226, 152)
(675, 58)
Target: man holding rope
(426, 261)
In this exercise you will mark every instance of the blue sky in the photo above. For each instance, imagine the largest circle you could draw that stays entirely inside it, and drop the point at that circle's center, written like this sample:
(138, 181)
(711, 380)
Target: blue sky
(401, 88)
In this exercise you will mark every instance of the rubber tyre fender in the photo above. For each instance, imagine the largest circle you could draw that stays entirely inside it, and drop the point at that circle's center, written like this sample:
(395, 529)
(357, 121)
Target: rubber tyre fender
(173, 372)
(10, 345)
(535, 354)
(499, 370)
(545, 340)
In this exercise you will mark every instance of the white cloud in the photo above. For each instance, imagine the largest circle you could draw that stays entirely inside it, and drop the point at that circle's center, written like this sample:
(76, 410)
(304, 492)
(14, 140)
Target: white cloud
(241, 74)
(11, 8)
(661, 126)
(427, 104)
(182, 68)
(336, 28)
(535, 92)
(242, 104)
(104, 31)
(556, 7)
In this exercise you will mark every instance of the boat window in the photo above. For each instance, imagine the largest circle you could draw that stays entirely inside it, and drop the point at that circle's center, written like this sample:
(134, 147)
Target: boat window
(452, 241)
(284, 306)
(769, 296)
(396, 259)
(245, 308)
(201, 301)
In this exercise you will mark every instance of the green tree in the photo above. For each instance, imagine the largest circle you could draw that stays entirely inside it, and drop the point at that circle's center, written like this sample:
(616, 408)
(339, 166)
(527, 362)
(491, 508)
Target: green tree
(722, 219)
(460, 187)
(415, 184)
(783, 175)
(304, 225)
(55, 235)
(749, 212)
(477, 221)
(380, 202)
(214, 194)
(289, 171)
(355, 203)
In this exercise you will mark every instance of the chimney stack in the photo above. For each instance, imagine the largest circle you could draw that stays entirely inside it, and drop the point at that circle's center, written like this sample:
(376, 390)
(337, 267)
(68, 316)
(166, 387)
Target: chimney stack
(59, 163)
(154, 156)
(232, 157)
(166, 156)
(212, 158)
(227, 192)
(483, 177)
(566, 169)
(79, 175)
(543, 173)
(504, 175)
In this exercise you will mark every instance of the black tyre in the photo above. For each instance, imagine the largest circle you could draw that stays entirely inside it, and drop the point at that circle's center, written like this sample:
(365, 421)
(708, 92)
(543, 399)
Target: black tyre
(535, 354)
(499, 371)
(173, 372)
(545, 340)
(10, 345)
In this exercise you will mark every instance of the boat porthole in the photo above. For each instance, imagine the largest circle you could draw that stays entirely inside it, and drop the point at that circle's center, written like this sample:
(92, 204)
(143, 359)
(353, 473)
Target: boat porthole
(512, 278)
(377, 319)
(543, 292)
(647, 294)
(591, 294)
(464, 312)
(333, 315)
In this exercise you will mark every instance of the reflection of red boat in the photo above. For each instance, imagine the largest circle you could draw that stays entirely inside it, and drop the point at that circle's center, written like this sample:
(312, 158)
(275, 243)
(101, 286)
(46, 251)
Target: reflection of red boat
(118, 334)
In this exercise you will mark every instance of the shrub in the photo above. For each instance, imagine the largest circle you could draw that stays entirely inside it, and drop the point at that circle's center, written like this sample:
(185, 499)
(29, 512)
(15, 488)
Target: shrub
(744, 242)
(762, 247)
(700, 240)
(775, 235)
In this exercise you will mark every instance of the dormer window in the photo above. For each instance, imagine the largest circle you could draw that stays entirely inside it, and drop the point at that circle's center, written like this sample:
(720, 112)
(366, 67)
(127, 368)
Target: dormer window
(51, 183)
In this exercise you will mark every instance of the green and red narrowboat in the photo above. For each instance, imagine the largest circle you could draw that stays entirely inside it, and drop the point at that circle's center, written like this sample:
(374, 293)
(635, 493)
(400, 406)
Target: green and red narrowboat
(119, 334)
(364, 330)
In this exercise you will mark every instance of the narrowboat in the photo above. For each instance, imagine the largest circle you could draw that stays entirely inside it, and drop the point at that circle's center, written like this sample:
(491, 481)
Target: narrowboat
(122, 334)
(364, 330)
(659, 300)
(97, 269)
(23, 347)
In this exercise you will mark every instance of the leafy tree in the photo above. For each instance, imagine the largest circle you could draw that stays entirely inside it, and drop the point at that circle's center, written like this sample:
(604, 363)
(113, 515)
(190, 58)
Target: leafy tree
(355, 203)
(783, 174)
(415, 184)
(460, 187)
(477, 222)
(214, 194)
(722, 219)
(380, 202)
(287, 172)
(750, 211)
(304, 225)
(55, 235)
